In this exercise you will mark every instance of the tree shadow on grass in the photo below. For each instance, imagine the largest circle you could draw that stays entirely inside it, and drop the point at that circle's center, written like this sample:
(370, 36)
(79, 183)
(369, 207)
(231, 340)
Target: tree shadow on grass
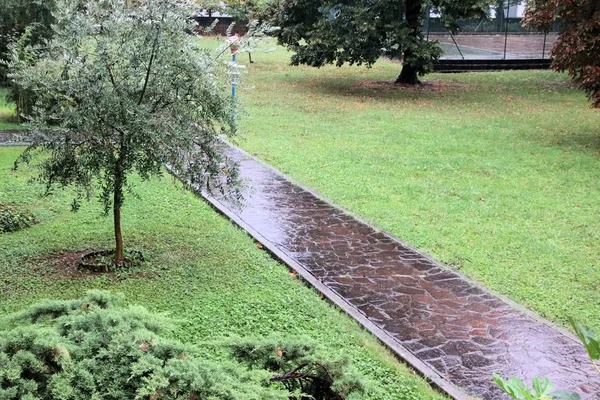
(587, 141)
(383, 90)
(453, 94)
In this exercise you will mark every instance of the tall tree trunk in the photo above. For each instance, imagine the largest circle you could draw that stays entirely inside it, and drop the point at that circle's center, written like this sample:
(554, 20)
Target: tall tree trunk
(413, 8)
(408, 75)
(117, 201)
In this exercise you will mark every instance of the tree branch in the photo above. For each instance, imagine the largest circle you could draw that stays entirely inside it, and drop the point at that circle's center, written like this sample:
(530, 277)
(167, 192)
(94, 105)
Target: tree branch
(152, 55)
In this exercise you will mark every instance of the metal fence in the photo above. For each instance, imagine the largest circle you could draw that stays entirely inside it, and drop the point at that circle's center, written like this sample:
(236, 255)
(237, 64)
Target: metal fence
(498, 38)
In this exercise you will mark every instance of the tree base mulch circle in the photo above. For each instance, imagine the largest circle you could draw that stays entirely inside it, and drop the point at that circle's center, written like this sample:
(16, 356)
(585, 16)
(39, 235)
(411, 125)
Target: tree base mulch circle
(66, 265)
(428, 86)
(102, 260)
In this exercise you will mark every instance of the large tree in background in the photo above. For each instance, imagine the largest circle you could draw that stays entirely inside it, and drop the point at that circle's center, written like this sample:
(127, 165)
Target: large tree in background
(126, 90)
(18, 15)
(577, 49)
(361, 31)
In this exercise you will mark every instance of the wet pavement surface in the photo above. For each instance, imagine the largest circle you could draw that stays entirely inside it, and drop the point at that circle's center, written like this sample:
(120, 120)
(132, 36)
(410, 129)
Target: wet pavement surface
(456, 327)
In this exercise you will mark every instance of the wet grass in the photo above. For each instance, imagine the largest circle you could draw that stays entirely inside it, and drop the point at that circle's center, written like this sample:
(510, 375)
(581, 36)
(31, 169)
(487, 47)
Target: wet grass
(200, 269)
(496, 174)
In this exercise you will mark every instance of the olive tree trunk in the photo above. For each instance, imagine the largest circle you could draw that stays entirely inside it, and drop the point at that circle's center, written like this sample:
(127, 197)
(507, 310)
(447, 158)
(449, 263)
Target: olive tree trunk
(117, 201)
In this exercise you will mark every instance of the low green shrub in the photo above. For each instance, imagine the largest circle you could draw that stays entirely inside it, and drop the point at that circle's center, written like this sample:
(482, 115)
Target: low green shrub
(300, 366)
(14, 218)
(94, 348)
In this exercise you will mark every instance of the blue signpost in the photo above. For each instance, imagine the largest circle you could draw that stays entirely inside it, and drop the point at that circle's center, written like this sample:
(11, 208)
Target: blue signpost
(233, 81)
(234, 45)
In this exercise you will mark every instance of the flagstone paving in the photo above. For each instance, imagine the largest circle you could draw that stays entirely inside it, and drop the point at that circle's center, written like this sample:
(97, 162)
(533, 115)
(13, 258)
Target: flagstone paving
(458, 329)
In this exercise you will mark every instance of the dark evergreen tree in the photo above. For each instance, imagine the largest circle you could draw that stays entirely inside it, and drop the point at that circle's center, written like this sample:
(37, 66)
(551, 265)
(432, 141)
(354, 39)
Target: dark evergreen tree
(16, 16)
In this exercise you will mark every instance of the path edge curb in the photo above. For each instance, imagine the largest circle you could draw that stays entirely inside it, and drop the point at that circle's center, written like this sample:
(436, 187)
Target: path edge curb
(403, 354)
(517, 306)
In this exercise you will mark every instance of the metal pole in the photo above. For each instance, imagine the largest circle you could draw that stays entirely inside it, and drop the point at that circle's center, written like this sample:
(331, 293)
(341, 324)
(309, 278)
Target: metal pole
(428, 20)
(233, 84)
(506, 27)
(456, 44)
(544, 48)
(233, 58)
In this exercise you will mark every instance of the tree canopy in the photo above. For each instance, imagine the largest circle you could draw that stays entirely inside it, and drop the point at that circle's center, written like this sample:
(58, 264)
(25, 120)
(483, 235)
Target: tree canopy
(577, 49)
(19, 15)
(359, 32)
(125, 89)
(244, 11)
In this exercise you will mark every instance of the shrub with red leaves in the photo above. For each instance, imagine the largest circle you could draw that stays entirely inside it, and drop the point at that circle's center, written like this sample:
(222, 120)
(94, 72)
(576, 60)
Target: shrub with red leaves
(577, 50)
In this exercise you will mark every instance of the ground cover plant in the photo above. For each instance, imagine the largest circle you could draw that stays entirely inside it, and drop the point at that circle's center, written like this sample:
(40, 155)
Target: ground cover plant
(495, 174)
(14, 217)
(206, 274)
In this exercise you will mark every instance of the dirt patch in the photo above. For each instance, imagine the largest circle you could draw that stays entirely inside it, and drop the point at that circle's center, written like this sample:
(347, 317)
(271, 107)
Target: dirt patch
(429, 86)
(61, 265)
(65, 265)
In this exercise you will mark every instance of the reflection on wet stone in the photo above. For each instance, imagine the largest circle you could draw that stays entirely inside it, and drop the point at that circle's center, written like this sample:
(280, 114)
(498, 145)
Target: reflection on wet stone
(464, 333)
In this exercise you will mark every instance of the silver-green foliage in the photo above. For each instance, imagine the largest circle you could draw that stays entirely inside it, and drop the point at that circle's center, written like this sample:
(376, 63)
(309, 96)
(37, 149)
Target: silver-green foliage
(126, 89)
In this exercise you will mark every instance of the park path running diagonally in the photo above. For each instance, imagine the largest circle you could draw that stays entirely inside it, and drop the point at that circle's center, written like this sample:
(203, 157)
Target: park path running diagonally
(451, 329)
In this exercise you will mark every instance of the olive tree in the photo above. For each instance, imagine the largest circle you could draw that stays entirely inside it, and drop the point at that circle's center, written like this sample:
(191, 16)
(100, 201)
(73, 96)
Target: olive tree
(122, 89)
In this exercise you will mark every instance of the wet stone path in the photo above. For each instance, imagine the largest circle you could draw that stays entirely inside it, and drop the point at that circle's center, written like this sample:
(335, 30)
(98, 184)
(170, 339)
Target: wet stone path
(461, 332)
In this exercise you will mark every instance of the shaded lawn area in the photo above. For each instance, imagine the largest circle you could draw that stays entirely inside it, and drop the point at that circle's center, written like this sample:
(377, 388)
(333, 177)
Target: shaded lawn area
(7, 113)
(496, 174)
(201, 270)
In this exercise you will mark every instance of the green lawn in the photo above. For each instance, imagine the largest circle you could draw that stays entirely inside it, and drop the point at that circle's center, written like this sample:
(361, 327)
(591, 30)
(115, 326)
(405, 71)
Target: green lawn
(496, 174)
(7, 113)
(201, 270)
